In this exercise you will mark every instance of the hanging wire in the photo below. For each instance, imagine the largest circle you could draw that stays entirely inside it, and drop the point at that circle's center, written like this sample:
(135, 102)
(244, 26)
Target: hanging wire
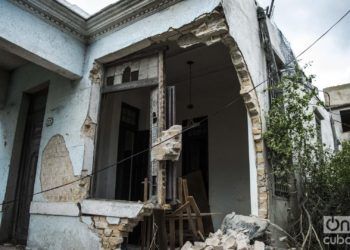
(234, 100)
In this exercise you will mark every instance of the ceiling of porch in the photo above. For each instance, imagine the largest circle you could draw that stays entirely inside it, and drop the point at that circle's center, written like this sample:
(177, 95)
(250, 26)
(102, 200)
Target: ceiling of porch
(9, 61)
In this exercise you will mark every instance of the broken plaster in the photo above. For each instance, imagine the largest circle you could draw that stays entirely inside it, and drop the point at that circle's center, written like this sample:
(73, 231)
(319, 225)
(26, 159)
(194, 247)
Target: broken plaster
(56, 170)
(96, 73)
(168, 146)
(111, 229)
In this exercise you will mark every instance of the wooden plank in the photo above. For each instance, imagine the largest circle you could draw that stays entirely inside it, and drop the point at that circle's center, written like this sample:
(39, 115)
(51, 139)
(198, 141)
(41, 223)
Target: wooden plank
(181, 209)
(180, 195)
(185, 188)
(196, 188)
(145, 189)
(198, 214)
(181, 230)
(179, 186)
(159, 221)
(150, 82)
(143, 234)
(172, 235)
(201, 235)
(191, 223)
(149, 232)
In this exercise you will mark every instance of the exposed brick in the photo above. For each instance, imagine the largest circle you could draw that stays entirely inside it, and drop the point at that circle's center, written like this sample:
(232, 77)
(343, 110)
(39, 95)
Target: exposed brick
(57, 169)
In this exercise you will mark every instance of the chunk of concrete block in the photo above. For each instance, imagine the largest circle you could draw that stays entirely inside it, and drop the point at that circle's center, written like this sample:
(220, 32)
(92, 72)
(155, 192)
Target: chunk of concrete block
(258, 245)
(229, 242)
(214, 241)
(168, 146)
(187, 246)
(209, 248)
(242, 245)
(251, 226)
(199, 245)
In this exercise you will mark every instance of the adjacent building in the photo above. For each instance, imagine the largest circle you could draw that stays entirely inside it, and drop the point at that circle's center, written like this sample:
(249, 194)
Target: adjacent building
(337, 99)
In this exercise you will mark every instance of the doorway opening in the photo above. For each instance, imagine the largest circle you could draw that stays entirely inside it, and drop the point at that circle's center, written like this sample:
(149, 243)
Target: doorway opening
(16, 218)
(123, 132)
(131, 173)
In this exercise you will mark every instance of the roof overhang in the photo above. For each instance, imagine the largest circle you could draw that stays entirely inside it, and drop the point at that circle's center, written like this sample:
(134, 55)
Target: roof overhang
(104, 22)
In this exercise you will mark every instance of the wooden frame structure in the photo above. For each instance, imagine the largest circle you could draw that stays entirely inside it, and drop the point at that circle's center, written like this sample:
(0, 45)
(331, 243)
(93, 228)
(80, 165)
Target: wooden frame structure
(181, 222)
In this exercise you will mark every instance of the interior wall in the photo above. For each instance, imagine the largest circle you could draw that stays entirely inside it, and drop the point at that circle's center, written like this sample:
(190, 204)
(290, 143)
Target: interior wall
(215, 84)
(109, 132)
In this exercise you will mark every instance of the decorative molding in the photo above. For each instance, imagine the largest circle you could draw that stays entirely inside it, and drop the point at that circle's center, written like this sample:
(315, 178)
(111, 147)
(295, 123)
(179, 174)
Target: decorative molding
(121, 14)
(56, 14)
(113, 17)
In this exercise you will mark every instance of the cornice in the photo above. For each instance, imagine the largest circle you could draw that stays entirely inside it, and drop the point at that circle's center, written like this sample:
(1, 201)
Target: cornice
(106, 21)
(56, 14)
(122, 14)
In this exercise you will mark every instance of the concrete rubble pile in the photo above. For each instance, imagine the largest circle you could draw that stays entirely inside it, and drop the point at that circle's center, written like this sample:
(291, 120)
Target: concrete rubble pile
(237, 232)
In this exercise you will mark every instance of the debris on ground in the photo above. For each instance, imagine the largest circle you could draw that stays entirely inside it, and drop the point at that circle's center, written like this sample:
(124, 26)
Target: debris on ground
(237, 232)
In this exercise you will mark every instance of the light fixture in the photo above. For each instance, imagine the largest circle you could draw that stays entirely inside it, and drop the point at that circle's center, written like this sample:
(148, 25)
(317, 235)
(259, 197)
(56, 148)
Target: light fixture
(190, 105)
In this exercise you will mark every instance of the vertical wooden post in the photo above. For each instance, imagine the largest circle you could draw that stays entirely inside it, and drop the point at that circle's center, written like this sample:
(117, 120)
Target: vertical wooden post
(161, 175)
(180, 194)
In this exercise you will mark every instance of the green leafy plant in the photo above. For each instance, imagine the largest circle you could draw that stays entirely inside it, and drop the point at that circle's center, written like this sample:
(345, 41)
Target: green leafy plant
(317, 181)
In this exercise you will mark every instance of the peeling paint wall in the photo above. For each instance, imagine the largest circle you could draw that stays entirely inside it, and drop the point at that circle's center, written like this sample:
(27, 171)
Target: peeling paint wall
(56, 170)
(67, 105)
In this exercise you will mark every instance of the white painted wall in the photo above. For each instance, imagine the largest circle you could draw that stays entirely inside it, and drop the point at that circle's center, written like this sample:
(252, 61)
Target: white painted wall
(254, 203)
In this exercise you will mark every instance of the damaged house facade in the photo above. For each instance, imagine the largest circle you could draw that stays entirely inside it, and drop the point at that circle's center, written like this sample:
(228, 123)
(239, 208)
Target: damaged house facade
(106, 120)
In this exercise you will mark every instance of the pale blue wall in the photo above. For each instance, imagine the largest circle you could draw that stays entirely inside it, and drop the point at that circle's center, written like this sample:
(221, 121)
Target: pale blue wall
(67, 103)
(40, 41)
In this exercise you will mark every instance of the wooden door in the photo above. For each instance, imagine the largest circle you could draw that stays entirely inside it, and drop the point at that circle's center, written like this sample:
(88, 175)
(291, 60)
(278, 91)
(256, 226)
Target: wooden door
(27, 170)
(128, 127)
